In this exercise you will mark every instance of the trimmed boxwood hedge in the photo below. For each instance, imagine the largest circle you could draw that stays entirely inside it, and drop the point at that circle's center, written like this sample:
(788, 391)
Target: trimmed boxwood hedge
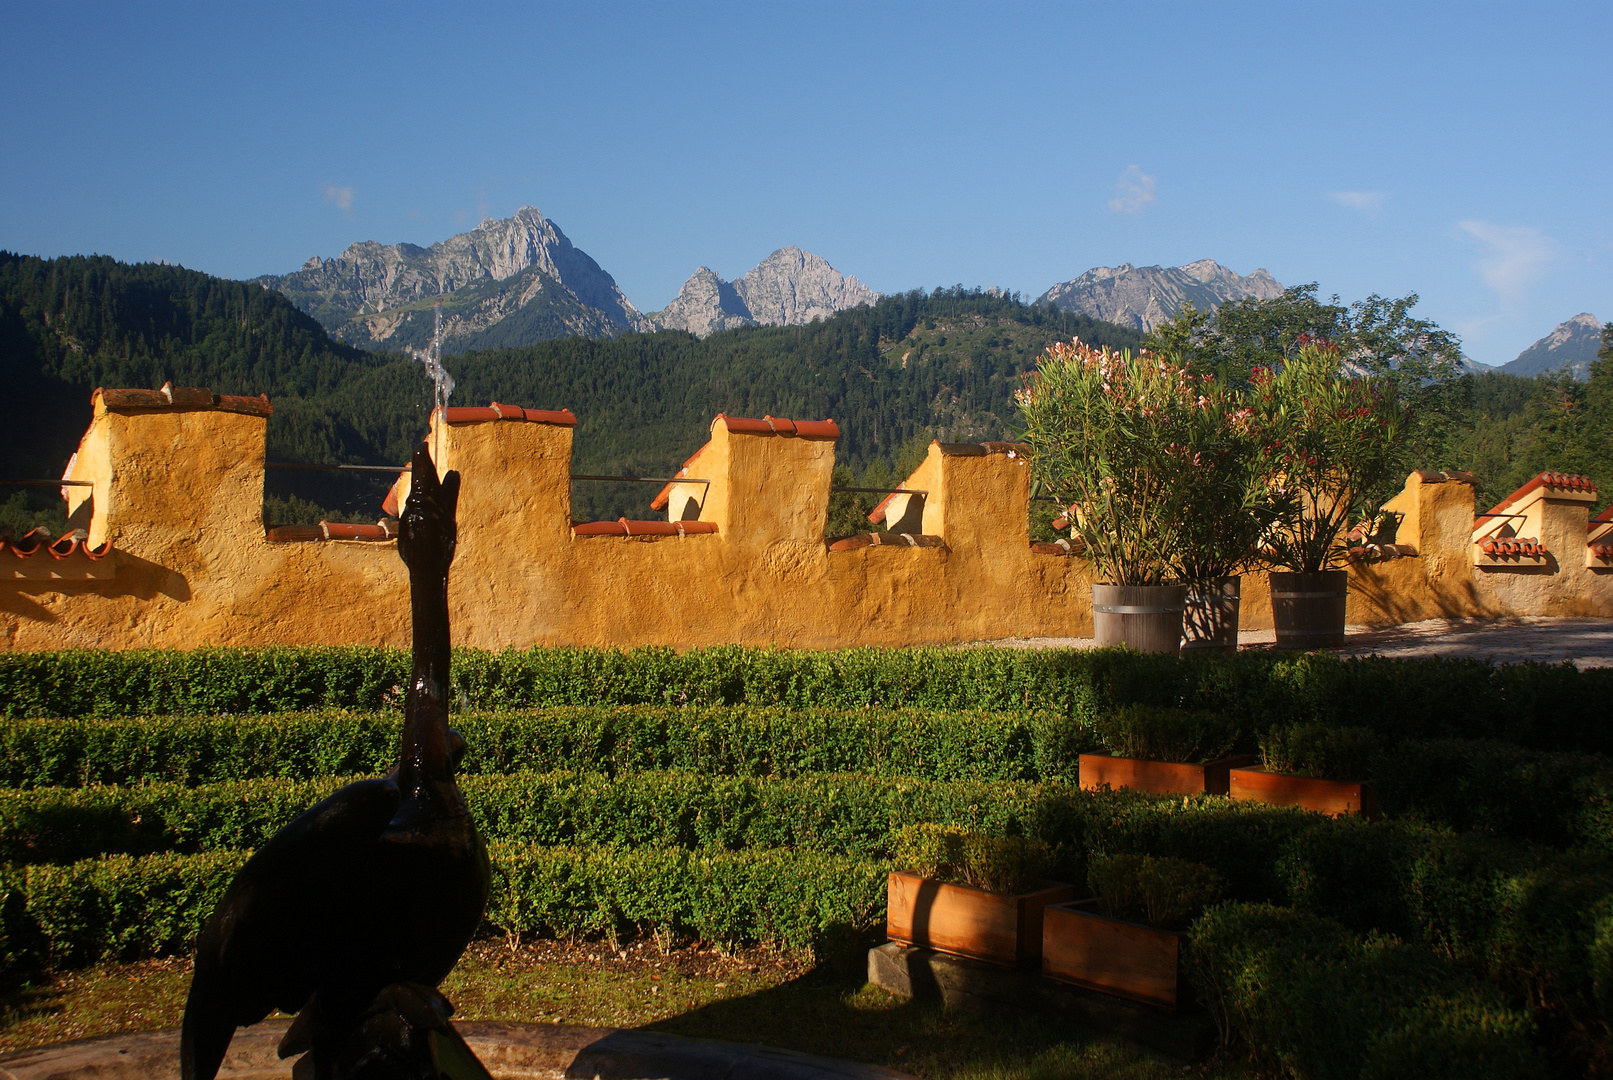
(1542, 706)
(745, 741)
(1305, 995)
(123, 907)
(847, 813)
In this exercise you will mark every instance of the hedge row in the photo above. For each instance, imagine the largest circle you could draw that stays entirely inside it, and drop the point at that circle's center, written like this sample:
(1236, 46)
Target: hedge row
(850, 814)
(742, 741)
(1313, 1000)
(1543, 796)
(1525, 915)
(1536, 705)
(122, 907)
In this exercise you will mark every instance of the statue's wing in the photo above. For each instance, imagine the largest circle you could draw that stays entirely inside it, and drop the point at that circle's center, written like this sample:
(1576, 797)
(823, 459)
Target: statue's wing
(274, 930)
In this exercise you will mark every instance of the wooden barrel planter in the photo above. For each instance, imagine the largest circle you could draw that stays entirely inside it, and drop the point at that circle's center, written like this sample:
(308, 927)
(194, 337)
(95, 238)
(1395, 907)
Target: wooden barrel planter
(1147, 618)
(1307, 610)
(1210, 620)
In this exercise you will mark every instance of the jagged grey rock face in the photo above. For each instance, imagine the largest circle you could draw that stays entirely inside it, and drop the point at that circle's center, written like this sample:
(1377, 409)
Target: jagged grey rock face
(1144, 297)
(790, 287)
(373, 293)
(705, 305)
(1573, 345)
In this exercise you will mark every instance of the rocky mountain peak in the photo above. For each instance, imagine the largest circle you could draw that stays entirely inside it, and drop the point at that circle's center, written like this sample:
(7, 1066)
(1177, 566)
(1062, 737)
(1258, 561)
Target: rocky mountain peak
(1572, 344)
(790, 287)
(374, 294)
(1144, 297)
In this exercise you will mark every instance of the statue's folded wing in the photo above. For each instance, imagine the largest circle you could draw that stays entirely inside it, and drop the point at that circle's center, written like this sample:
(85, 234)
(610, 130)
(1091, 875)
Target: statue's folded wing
(270, 937)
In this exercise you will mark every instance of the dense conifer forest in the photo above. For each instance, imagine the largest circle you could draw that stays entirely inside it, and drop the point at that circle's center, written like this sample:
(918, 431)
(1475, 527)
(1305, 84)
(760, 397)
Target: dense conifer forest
(915, 366)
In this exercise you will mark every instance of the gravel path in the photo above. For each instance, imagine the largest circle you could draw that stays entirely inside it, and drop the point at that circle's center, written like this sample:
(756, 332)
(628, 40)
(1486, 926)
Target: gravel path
(1586, 643)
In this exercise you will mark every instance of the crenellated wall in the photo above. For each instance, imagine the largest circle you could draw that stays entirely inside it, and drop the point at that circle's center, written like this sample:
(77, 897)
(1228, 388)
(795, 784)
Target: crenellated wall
(177, 486)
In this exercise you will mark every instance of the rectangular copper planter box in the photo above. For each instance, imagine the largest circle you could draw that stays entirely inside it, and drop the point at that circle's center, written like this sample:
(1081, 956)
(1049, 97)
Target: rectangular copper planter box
(994, 927)
(1127, 959)
(1159, 777)
(1335, 797)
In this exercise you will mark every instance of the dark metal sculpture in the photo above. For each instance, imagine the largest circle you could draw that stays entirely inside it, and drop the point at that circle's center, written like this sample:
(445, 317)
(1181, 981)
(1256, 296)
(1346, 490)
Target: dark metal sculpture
(353, 912)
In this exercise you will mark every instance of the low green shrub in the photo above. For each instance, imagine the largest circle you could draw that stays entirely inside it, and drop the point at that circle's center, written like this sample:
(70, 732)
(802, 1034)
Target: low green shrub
(1497, 787)
(1154, 733)
(1168, 893)
(120, 907)
(1540, 706)
(1321, 750)
(999, 864)
(740, 740)
(847, 813)
(1313, 1000)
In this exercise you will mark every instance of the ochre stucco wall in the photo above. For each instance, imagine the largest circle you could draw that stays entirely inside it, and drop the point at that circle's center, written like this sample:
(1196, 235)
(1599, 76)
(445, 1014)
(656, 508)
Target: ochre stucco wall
(179, 492)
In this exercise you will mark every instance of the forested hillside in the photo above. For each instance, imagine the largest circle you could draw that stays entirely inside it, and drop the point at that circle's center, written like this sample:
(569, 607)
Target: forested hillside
(912, 367)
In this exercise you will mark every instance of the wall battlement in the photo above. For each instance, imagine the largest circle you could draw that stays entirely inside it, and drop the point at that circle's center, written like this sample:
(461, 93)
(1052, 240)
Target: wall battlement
(174, 553)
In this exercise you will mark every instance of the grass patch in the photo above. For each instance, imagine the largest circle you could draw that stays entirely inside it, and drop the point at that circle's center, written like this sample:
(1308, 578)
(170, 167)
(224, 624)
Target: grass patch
(751, 996)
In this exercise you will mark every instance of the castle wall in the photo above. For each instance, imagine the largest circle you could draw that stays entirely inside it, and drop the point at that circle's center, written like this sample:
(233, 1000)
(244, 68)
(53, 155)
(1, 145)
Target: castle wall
(177, 489)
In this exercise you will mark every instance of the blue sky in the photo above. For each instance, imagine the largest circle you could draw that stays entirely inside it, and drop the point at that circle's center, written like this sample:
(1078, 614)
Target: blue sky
(1459, 151)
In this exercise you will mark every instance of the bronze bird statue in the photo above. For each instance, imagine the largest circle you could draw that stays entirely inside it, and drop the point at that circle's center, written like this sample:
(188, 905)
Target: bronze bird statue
(382, 883)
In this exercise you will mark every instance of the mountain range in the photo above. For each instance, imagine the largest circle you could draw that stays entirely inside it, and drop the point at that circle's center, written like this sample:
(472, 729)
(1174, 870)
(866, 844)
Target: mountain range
(1143, 297)
(790, 287)
(520, 280)
(509, 282)
(1571, 345)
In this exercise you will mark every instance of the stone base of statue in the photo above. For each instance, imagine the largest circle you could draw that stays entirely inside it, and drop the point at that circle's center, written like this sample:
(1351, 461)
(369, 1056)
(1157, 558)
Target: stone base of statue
(403, 1035)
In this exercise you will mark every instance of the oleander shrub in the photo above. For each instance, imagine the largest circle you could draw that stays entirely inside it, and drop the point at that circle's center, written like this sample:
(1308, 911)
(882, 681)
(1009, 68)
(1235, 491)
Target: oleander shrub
(999, 864)
(1156, 733)
(1168, 893)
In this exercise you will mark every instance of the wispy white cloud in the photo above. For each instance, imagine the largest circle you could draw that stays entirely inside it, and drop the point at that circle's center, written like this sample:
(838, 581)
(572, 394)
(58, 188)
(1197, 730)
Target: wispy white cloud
(1514, 257)
(1136, 191)
(340, 197)
(1367, 202)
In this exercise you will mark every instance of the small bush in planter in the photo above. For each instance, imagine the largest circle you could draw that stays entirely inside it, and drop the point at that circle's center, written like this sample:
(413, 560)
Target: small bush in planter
(1321, 751)
(1152, 733)
(999, 864)
(1167, 893)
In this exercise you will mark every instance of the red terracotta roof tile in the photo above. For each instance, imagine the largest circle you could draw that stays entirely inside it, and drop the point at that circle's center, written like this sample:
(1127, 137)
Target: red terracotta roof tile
(1061, 546)
(1512, 547)
(37, 541)
(885, 539)
(476, 414)
(1603, 550)
(780, 425)
(389, 505)
(662, 496)
(1605, 515)
(877, 514)
(1380, 552)
(331, 530)
(29, 542)
(173, 398)
(1554, 480)
(624, 527)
